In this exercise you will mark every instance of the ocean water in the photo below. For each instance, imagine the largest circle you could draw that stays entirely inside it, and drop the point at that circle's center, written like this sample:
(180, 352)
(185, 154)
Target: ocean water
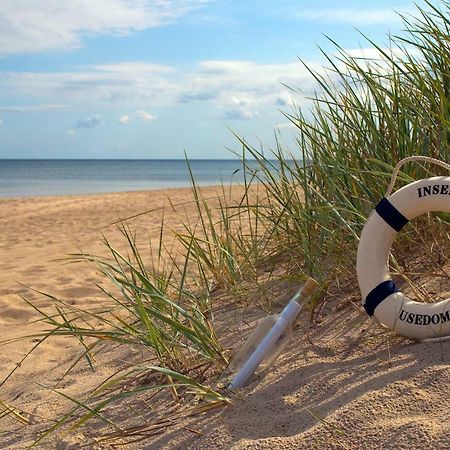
(25, 178)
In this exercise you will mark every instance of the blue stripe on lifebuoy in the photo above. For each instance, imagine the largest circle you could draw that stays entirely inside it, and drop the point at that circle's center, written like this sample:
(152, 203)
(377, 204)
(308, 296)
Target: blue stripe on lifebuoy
(378, 294)
(390, 214)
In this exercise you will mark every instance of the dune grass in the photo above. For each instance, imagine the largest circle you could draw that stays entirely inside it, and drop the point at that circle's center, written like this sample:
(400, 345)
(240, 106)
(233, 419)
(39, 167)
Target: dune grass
(366, 116)
(303, 212)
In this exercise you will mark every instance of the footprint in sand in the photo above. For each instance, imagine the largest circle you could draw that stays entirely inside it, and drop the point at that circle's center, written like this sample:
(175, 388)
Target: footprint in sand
(79, 292)
(64, 280)
(14, 310)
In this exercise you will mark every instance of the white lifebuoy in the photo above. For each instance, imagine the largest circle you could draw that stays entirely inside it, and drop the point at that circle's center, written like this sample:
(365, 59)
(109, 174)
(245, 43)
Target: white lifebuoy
(380, 297)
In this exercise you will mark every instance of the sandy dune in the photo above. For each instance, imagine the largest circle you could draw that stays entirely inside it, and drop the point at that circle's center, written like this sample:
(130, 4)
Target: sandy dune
(340, 384)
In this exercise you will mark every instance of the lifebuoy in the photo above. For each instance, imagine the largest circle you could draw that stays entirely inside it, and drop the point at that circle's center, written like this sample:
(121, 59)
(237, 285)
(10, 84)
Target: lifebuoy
(380, 297)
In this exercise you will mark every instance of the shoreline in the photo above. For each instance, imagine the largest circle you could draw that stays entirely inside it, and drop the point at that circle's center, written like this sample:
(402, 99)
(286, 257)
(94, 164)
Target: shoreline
(109, 193)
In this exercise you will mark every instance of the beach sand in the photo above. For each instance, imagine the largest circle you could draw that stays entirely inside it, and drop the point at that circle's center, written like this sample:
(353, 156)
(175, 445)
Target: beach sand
(340, 383)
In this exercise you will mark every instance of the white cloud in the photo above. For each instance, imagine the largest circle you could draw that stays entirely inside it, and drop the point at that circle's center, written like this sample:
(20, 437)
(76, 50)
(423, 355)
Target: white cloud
(197, 95)
(90, 122)
(31, 108)
(232, 88)
(284, 125)
(109, 83)
(258, 86)
(31, 26)
(145, 116)
(284, 99)
(124, 119)
(372, 52)
(136, 69)
(70, 132)
(240, 89)
(355, 16)
(238, 113)
(240, 107)
(248, 77)
(374, 59)
(1, 122)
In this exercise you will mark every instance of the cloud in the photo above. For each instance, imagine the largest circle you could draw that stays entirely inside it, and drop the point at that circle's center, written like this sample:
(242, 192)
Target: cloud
(221, 84)
(194, 96)
(70, 132)
(284, 125)
(127, 82)
(141, 114)
(34, 26)
(90, 122)
(145, 116)
(31, 108)
(238, 113)
(377, 54)
(241, 90)
(124, 119)
(240, 107)
(284, 99)
(1, 122)
(373, 59)
(137, 68)
(356, 16)
(255, 83)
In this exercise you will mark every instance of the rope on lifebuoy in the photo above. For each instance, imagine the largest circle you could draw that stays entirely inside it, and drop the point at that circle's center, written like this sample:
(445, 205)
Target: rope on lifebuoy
(381, 297)
(408, 159)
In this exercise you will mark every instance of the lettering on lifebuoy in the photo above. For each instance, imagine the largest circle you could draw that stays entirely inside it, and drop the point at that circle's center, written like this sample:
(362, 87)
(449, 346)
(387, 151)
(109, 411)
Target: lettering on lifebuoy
(434, 189)
(424, 319)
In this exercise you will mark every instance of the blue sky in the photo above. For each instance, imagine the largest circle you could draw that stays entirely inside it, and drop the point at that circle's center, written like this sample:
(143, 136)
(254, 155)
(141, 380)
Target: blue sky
(152, 79)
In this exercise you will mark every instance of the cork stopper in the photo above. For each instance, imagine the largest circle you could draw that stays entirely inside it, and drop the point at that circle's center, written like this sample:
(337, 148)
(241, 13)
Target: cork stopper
(309, 287)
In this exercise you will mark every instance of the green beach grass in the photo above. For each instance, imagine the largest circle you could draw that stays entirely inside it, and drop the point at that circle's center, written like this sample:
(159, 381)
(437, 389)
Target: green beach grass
(297, 218)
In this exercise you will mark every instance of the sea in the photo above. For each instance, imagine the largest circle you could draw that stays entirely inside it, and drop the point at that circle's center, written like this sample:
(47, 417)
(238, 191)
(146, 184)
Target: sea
(26, 178)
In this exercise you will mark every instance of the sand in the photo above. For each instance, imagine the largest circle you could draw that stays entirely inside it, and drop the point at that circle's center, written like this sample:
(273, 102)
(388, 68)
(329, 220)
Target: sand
(341, 383)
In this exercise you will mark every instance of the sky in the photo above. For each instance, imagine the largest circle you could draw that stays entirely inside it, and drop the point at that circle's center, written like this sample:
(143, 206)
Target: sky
(157, 78)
